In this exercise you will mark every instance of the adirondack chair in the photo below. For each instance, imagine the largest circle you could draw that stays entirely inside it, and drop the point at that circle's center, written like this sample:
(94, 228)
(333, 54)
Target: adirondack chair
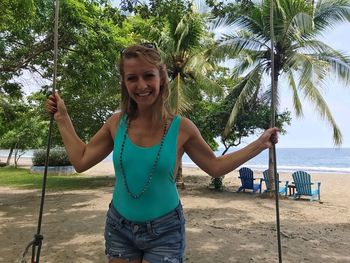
(247, 179)
(282, 189)
(302, 181)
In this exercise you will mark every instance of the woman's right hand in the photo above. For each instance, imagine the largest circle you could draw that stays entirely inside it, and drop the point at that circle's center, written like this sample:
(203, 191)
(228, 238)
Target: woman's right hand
(55, 105)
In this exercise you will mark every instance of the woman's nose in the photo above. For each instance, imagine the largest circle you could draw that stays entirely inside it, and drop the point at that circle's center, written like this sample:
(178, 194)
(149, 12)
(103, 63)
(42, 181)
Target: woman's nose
(142, 84)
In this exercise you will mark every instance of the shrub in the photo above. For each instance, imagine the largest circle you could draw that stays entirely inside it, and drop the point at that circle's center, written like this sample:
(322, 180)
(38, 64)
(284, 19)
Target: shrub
(217, 183)
(57, 157)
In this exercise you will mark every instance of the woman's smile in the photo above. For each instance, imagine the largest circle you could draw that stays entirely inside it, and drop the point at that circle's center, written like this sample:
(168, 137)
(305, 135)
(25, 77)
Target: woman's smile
(142, 81)
(144, 94)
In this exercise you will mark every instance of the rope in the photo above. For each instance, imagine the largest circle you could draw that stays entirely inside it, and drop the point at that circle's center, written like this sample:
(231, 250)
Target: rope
(36, 243)
(273, 124)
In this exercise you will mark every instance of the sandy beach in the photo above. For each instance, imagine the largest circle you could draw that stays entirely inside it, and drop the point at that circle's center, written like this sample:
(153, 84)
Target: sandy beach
(221, 226)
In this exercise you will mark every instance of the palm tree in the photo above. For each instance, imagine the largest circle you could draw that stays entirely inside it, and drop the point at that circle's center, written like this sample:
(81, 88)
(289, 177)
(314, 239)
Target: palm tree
(300, 57)
(187, 48)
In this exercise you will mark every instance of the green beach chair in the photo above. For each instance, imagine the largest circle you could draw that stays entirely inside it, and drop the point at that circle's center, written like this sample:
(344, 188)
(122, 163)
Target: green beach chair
(247, 179)
(282, 189)
(303, 186)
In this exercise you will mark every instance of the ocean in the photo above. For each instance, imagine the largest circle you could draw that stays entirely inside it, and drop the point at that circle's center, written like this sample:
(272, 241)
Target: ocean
(320, 160)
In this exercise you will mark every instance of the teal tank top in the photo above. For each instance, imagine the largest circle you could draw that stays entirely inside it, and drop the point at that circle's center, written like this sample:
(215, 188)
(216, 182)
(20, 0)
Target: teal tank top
(161, 196)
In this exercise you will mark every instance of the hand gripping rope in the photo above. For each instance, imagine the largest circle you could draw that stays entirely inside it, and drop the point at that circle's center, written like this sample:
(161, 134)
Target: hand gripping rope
(36, 243)
(273, 120)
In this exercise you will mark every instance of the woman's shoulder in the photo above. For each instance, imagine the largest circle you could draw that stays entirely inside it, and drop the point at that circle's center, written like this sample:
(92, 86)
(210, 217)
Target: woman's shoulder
(112, 123)
(184, 120)
(114, 118)
(187, 126)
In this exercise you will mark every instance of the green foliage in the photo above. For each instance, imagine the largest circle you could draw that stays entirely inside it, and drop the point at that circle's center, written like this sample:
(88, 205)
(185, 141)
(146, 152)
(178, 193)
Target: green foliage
(223, 8)
(199, 114)
(23, 179)
(18, 123)
(57, 157)
(186, 46)
(212, 114)
(157, 8)
(302, 59)
(91, 35)
(217, 182)
(90, 76)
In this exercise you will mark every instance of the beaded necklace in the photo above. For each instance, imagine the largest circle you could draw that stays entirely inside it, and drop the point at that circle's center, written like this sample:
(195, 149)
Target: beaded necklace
(147, 184)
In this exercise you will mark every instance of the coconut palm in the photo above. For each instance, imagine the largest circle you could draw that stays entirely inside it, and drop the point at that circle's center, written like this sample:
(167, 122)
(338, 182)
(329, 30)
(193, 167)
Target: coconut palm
(300, 57)
(187, 47)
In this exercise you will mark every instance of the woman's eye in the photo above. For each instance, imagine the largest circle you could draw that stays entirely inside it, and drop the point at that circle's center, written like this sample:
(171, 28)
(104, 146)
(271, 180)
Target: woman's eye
(148, 76)
(131, 78)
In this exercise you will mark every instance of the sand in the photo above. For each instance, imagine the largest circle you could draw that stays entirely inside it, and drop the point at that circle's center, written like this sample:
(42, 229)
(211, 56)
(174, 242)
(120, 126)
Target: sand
(221, 226)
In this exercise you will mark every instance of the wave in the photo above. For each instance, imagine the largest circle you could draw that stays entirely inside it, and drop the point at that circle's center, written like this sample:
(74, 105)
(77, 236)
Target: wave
(321, 169)
(284, 168)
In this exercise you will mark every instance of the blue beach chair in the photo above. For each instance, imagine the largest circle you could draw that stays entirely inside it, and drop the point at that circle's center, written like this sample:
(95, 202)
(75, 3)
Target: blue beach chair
(302, 181)
(247, 179)
(282, 189)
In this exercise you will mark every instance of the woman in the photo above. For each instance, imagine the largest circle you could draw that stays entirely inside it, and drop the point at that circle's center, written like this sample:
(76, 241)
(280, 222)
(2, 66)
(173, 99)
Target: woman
(145, 221)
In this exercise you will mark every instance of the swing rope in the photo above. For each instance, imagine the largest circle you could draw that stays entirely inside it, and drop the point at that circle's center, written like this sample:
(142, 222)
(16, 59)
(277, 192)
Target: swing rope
(273, 124)
(36, 243)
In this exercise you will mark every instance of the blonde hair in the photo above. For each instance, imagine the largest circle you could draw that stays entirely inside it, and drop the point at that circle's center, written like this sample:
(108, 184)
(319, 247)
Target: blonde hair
(162, 109)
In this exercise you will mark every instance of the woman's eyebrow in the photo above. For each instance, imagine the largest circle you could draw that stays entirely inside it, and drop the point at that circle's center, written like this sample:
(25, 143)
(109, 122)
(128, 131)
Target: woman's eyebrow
(153, 71)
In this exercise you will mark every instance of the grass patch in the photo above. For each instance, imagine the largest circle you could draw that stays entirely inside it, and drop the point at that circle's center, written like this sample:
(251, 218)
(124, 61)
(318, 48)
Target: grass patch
(22, 178)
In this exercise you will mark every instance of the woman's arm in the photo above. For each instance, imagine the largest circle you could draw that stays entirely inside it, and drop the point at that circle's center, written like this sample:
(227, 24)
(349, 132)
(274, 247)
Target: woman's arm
(82, 156)
(200, 152)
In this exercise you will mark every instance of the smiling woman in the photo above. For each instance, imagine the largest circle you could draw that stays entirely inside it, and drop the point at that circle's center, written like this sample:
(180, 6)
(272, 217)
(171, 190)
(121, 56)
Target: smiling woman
(142, 81)
(145, 221)
(145, 77)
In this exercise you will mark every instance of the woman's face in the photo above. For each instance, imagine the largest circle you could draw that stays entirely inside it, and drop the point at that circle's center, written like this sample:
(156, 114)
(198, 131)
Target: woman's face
(142, 81)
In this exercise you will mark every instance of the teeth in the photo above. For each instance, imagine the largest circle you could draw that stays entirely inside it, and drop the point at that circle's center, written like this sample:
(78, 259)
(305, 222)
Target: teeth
(144, 94)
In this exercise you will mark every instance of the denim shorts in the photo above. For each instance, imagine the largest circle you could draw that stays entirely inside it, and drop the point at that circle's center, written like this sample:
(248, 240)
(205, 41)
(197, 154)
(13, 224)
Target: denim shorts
(159, 240)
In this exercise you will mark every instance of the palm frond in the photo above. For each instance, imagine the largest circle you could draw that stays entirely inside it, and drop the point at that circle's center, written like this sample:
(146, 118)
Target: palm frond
(324, 60)
(312, 93)
(178, 101)
(248, 86)
(221, 25)
(339, 65)
(248, 60)
(308, 67)
(189, 32)
(301, 24)
(330, 12)
(181, 31)
(254, 24)
(296, 100)
(235, 44)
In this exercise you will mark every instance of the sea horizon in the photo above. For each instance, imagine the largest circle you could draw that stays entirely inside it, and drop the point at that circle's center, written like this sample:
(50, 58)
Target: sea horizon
(316, 159)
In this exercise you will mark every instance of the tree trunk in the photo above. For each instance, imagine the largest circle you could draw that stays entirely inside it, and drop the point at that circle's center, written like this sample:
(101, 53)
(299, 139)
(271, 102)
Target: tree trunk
(16, 159)
(271, 189)
(9, 156)
(179, 178)
(272, 164)
(217, 182)
(16, 154)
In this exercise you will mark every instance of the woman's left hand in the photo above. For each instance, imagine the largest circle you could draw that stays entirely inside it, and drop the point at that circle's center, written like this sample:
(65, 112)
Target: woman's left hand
(269, 137)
